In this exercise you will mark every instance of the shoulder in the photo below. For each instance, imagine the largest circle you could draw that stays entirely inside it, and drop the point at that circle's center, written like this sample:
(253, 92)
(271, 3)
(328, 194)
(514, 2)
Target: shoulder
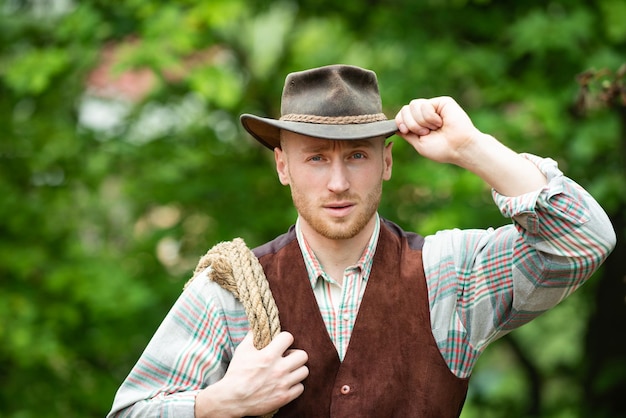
(277, 244)
(414, 240)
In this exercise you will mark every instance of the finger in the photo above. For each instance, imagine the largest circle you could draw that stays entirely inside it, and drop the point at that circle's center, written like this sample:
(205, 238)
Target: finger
(280, 343)
(295, 391)
(426, 114)
(411, 117)
(301, 373)
(248, 340)
(297, 376)
(295, 359)
(400, 122)
(245, 347)
(409, 136)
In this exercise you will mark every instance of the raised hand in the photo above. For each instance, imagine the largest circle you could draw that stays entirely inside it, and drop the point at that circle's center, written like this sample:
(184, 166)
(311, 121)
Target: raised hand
(438, 128)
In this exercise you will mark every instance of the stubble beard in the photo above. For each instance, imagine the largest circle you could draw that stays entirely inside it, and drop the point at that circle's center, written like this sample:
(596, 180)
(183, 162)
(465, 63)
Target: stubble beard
(337, 228)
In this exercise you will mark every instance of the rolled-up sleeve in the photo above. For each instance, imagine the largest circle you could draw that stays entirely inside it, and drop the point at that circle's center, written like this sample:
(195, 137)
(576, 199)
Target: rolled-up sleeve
(485, 283)
(561, 224)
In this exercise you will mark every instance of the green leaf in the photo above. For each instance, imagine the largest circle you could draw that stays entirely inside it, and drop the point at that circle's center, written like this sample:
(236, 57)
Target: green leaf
(32, 71)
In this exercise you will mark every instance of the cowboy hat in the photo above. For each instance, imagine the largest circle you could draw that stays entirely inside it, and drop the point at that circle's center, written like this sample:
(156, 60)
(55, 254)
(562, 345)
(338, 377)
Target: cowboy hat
(339, 102)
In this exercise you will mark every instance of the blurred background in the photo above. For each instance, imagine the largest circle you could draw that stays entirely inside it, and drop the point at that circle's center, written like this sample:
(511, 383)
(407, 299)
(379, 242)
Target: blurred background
(122, 162)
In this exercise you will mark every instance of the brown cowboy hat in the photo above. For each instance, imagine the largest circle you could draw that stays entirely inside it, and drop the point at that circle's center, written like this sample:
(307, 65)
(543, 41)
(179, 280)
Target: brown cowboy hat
(339, 102)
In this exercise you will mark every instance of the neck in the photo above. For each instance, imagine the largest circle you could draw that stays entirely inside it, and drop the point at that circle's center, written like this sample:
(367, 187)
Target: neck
(335, 255)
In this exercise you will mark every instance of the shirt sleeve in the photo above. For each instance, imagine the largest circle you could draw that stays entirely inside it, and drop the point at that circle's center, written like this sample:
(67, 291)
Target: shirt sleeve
(190, 350)
(485, 283)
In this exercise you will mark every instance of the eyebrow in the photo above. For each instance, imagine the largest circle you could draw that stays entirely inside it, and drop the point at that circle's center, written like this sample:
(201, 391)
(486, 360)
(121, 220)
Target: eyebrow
(352, 144)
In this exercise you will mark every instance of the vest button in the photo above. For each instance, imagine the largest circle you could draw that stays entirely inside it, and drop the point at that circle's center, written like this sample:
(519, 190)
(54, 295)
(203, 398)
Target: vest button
(345, 389)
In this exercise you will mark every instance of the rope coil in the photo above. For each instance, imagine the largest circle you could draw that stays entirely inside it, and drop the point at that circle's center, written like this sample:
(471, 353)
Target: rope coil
(236, 269)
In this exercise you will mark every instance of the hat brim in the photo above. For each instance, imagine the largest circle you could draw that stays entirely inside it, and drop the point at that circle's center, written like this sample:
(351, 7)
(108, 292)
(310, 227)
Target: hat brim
(267, 131)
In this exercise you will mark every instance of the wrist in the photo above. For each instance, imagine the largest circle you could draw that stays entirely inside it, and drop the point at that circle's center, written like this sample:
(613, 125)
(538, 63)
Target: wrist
(503, 169)
(213, 402)
(473, 152)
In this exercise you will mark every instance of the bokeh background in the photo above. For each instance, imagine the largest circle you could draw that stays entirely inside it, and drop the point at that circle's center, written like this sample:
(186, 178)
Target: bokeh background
(122, 161)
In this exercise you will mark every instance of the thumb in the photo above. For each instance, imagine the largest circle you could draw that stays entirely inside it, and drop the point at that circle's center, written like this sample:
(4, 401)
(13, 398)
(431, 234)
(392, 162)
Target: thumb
(248, 340)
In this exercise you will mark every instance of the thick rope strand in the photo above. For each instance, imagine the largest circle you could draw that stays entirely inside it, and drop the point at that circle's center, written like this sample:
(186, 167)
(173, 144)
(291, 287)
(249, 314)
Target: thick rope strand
(236, 269)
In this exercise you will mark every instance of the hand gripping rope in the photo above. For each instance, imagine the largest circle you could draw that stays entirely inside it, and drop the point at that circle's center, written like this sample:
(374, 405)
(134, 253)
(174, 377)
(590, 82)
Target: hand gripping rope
(235, 268)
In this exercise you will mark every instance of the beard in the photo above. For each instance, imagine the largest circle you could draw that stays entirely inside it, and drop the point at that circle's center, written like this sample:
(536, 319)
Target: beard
(336, 228)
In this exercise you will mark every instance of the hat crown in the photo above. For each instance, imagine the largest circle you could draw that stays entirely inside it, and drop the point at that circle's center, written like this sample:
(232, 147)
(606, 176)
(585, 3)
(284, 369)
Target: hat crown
(331, 91)
(336, 102)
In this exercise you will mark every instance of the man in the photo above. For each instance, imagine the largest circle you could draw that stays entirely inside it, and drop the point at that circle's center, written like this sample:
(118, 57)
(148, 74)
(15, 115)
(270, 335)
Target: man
(377, 321)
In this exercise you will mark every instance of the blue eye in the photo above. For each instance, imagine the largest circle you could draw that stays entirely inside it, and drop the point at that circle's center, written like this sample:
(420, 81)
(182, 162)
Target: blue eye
(358, 155)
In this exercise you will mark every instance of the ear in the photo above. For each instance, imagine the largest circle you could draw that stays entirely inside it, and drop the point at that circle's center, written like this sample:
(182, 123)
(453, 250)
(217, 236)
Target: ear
(387, 161)
(281, 166)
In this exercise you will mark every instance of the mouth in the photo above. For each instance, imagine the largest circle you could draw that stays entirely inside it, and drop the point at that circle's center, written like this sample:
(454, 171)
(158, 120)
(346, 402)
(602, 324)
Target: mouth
(339, 209)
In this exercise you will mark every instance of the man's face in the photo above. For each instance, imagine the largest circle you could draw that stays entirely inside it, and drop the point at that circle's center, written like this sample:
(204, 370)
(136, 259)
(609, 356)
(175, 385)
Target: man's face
(335, 185)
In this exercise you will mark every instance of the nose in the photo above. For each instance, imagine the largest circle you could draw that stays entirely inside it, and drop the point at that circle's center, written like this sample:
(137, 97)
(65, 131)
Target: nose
(338, 181)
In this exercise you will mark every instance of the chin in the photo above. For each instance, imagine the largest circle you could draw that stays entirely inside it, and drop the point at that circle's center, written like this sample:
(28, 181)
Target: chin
(342, 231)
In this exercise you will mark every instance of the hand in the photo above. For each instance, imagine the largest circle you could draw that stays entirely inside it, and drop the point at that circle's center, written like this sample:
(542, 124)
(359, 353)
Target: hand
(440, 130)
(257, 381)
(437, 128)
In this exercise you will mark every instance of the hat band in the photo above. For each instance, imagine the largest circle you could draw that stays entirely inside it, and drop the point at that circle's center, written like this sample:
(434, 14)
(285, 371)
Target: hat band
(334, 120)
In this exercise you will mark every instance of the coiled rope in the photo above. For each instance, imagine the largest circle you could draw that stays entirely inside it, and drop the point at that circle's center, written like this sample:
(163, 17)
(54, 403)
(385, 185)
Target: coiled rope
(236, 269)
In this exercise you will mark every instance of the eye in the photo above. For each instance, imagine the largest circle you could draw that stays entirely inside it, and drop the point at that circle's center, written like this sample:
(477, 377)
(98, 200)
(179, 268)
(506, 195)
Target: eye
(315, 158)
(358, 156)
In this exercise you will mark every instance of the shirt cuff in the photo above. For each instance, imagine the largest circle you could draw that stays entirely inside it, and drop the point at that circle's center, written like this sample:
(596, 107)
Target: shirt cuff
(523, 208)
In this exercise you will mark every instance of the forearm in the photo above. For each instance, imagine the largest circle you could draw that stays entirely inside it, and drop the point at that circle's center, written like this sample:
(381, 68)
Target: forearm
(180, 405)
(504, 170)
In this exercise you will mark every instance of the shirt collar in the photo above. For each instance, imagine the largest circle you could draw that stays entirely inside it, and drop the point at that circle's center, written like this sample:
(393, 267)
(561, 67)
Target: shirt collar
(314, 268)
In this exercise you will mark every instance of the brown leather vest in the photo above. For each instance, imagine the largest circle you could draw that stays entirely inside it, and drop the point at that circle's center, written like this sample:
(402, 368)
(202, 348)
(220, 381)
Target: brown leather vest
(393, 367)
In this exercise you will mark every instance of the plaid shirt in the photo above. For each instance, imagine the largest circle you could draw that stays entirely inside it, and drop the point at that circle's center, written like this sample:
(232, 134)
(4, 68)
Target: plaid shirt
(339, 304)
(481, 283)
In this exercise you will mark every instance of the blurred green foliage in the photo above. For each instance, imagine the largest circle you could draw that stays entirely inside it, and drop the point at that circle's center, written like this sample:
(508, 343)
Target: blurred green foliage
(122, 161)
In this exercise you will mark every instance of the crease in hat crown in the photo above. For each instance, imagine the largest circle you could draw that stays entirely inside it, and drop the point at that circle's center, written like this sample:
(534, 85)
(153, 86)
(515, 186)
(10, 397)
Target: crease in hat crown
(340, 102)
